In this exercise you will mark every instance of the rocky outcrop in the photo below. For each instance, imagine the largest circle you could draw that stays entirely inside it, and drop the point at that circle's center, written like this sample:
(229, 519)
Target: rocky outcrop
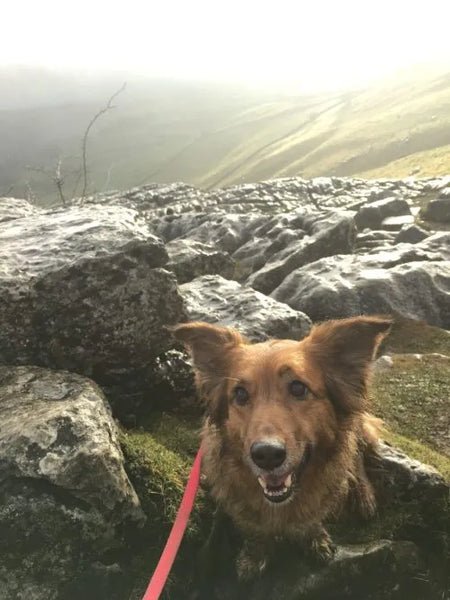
(372, 214)
(411, 234)
(412, 280)
(189, 259)
(330, 235)
(14, 208)
(84, 289)
(94, 288)
(65, 497)
(216, 300)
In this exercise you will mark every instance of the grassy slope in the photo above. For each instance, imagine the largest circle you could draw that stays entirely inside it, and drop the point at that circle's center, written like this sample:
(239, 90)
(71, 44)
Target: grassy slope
(216, 135)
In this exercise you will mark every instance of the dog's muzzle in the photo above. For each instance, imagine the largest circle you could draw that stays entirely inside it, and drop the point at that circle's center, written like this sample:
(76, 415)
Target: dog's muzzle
(277, 485)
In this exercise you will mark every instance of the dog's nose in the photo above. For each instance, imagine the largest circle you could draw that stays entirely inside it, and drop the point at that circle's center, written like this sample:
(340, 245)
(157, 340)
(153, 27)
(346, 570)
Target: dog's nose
(268, 455)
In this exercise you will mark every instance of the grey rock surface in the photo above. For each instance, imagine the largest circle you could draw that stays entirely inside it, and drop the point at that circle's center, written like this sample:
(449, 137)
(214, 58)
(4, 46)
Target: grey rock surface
(411, 234)
(14, 208)
(372, 214)
(216, 300)
(64, 494)
(84, 289)
(330, 235)
(437, 210)
(413, 280)
(189, 259)
(400, 479)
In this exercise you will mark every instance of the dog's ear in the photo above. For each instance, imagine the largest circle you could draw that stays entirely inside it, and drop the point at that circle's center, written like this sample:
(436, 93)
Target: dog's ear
(344, 350)
(207, 344)
(209, 347)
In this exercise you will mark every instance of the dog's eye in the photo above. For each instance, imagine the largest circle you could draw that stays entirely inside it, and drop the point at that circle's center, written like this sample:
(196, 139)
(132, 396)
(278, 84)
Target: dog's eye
(241, 396)
(298, 389)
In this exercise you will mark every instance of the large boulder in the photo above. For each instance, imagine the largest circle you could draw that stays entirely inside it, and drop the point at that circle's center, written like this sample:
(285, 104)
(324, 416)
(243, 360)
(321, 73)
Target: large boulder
(213, 299)
(437, 210)
(331, 234)
(372, 214)
(411, 234)
(84, 289)
(412, 280)
(65, 497)
(339, 287)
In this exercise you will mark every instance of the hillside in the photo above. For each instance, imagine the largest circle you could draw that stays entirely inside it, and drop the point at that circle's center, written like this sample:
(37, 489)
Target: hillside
(214, 135)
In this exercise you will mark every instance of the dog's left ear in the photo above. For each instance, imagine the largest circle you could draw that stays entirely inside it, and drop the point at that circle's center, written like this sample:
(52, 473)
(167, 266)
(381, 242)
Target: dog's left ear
(344, 350)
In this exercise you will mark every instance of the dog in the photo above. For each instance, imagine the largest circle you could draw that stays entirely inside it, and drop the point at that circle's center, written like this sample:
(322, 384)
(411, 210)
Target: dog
(286, 429)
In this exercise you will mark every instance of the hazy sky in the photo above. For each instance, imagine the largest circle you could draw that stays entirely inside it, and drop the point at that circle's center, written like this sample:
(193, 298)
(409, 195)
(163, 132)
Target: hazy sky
(319, 41)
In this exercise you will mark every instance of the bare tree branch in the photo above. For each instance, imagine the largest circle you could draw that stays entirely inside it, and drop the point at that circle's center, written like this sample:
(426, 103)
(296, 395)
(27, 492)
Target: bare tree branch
(56, 176)
(106, 108)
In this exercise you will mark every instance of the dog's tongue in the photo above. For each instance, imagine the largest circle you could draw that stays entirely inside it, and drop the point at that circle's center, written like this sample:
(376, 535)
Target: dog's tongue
(275, 481)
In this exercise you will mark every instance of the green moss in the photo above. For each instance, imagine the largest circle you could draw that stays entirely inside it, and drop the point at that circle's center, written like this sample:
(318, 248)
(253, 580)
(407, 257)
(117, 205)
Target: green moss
(420, 452)
(157, 473)
(178, 433)
(158, 461)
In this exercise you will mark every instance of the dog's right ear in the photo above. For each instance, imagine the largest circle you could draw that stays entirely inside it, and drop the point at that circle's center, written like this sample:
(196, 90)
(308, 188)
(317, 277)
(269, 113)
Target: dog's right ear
(207, 344)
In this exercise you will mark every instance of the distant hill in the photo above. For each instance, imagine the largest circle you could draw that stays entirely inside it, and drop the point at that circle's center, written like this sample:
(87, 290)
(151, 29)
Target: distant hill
(217, 134)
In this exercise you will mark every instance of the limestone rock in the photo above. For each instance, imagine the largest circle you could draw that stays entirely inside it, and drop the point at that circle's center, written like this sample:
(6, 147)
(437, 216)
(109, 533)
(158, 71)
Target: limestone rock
(411, 234)
(332, 234)
(437, 210)
(213, 299)
(377, 571)
(189, 259)
(413, 280)
(64, 494)
(84, 289)
(398, 479)
(372, 214)
(14, 208)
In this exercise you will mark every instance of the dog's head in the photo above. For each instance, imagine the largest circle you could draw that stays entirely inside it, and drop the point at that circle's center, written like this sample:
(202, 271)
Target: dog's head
(279, 404)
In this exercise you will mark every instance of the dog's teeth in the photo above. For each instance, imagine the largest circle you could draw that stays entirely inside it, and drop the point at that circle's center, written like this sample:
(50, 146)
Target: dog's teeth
(288, 481)
(262, 483)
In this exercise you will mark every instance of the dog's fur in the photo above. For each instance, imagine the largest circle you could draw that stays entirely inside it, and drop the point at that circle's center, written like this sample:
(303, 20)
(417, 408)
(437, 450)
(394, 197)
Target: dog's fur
(325, 434)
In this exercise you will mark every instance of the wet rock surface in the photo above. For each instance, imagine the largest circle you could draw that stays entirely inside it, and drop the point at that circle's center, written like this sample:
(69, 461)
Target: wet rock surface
(84, 289)
(63, 485)
(408, 279)
(14, 208)
(216, 300)
(189, 259)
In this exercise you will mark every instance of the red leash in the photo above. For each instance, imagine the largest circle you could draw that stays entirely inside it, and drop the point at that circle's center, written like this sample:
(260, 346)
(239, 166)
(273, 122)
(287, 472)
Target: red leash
(165, 563)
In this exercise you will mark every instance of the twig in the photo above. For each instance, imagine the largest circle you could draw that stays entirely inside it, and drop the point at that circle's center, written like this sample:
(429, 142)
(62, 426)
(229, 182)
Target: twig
(109, 106)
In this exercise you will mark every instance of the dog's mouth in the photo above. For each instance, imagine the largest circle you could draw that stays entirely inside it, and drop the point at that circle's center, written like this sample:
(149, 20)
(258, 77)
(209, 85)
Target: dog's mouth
(278, 488)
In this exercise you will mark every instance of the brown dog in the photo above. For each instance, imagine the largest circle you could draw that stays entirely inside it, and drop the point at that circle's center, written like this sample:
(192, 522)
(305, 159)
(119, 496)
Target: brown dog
(286, 428)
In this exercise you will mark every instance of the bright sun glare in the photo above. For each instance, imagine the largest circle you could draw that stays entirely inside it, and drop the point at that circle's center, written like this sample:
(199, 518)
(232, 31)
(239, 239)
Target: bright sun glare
(325, 42)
